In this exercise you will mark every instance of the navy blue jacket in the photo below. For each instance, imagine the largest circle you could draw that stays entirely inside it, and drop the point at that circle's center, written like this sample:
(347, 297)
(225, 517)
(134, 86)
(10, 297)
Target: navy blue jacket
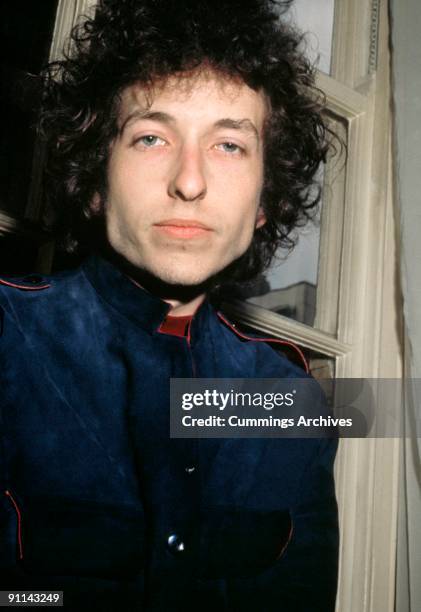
(97, 500)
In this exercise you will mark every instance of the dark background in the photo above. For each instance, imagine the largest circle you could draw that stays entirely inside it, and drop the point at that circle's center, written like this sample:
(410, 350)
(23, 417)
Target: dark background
(26, 35)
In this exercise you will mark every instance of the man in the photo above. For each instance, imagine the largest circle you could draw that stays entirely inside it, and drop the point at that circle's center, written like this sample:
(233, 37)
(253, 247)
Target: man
(182, 145)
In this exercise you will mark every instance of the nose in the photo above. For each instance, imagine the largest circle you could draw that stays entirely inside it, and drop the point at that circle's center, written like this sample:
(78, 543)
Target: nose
(188, 182)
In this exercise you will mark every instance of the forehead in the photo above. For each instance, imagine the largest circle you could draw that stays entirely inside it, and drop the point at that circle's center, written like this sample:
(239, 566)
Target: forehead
(205, 96)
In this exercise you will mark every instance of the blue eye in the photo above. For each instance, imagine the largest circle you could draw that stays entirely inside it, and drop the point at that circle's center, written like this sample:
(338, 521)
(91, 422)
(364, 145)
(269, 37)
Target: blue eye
(230, 147)
(150, 141)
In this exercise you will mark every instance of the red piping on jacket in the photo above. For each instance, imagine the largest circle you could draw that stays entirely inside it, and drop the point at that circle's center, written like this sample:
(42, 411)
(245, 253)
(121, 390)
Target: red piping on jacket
(291, 531)
(16, 507)
(25, 287)
(275, 340)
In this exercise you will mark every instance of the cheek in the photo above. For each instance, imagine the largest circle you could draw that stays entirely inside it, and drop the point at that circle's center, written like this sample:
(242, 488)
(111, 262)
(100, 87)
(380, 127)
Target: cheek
(241, 190)
(242, 228)
(128, 195)
(125, 185)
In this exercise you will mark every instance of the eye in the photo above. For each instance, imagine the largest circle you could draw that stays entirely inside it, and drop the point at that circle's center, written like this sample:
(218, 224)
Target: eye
(149, 141)
(230, 147)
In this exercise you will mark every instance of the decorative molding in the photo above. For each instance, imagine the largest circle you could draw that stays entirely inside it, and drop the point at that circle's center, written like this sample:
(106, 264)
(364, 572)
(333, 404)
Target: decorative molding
(68, 13)
(9, 224)
(374, 36)
(17, 227)
(279, 326)
(331, 235)
(341, 99)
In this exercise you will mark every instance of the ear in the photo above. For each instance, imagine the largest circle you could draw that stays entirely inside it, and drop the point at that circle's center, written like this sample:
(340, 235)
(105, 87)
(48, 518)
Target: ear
(260, 218)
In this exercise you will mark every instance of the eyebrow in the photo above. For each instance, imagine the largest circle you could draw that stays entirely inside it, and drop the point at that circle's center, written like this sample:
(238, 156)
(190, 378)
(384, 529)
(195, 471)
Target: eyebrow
(244, 125)
(138, 114)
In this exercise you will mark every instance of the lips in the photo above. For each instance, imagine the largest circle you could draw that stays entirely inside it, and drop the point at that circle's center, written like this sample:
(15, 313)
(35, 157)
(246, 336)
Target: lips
(183, 228)
(182, 223)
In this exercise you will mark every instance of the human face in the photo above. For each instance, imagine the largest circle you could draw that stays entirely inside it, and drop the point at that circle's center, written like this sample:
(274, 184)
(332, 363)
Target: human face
(185, 176)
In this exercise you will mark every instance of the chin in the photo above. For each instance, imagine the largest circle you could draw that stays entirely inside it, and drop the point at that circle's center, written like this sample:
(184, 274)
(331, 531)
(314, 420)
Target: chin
(181, 273)
(179, 277)
(186, 272)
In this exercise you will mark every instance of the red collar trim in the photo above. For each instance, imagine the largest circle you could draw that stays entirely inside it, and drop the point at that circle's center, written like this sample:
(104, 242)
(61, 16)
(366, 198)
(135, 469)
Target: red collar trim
(176, 326)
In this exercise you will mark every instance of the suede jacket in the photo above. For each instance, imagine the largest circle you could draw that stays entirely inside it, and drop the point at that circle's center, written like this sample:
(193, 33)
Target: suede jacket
(96, 499)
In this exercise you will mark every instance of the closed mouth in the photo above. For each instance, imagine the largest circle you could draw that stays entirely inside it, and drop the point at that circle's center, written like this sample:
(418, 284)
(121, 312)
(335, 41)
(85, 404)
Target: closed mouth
(183, 223)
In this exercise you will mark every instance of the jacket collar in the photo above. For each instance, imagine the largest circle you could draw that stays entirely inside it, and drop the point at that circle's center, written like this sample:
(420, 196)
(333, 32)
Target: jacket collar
(128, 298)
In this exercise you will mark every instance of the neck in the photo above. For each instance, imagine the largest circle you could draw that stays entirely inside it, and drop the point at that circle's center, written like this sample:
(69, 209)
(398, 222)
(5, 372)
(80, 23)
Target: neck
(184, 309)
(184, 300)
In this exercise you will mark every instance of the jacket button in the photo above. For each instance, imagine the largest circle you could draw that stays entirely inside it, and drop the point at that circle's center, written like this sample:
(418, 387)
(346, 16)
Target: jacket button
(175, 544)
(190, 469)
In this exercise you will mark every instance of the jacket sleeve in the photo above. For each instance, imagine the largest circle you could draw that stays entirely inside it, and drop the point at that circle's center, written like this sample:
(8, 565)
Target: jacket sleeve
(304, 579)
(9, 518)
(8, 525)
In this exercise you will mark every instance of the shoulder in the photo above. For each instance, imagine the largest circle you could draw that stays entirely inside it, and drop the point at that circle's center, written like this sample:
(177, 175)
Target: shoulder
(30, 282)
(270, 353)
(25, 298)
(36, 284)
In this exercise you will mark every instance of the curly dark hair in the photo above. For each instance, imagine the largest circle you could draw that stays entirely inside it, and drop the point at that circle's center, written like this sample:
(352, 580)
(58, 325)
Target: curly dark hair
(141, 41)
